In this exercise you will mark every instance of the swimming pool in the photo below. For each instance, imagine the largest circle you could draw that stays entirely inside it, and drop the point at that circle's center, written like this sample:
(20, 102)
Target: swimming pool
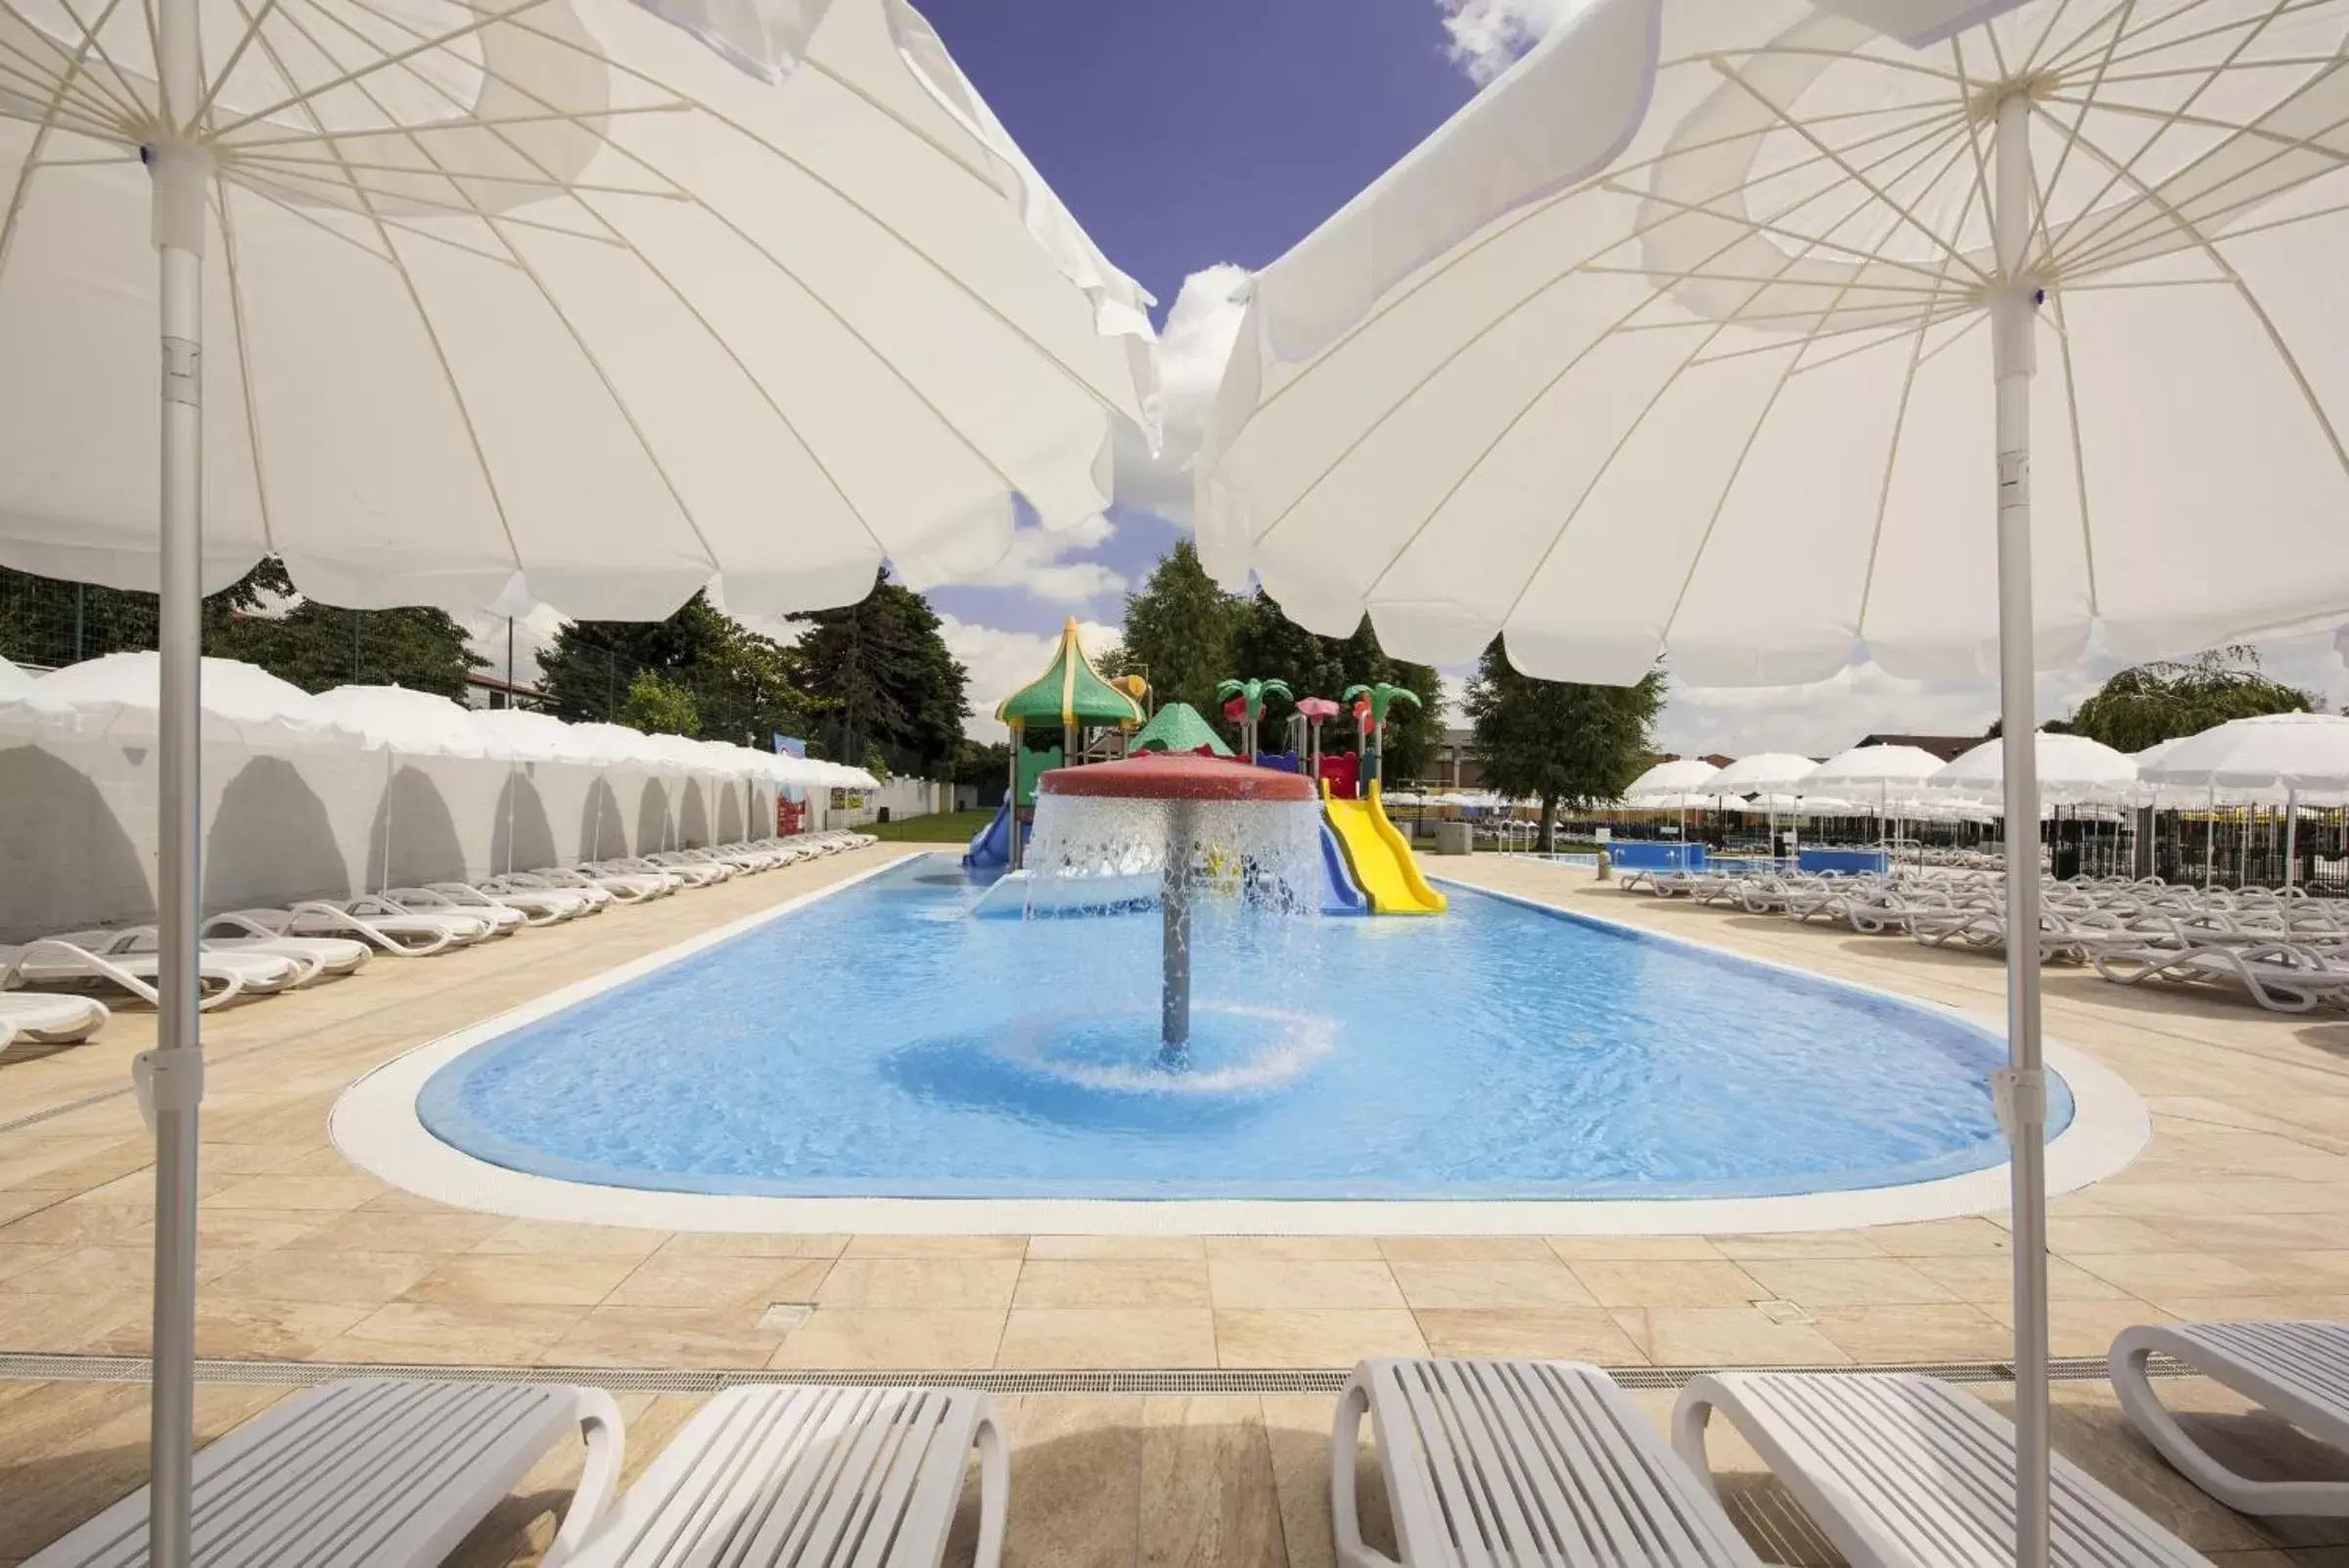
(881, 1043)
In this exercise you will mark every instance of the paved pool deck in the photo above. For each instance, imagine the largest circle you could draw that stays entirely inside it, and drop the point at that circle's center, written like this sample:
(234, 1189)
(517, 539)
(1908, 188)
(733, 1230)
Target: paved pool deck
(2239, 1207)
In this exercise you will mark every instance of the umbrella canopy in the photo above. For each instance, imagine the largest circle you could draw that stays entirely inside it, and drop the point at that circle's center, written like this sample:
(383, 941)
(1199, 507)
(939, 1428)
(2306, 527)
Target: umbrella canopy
(398, 719)
(1069, 692)
(118, 696)
(1774, 774)
(2301, 755)
(1668, 781)
(518, 735)
(14, 682)
(631, 317)
(2071, 769)
(1872, 771)
(1178, 727)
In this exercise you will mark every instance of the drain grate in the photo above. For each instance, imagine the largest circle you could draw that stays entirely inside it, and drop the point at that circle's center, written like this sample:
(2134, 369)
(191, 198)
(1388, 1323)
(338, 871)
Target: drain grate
(65, 1369)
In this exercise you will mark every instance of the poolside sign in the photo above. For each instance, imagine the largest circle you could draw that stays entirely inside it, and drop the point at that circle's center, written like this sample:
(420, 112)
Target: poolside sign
(789, 745)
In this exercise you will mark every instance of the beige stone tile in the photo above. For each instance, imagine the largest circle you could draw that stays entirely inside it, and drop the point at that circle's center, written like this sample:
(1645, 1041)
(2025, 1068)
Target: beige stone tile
(1113, 1249)
(68, 1225)
(570, 1240)
(245, 1327)
(1077, 1463)
(2083, 1328)
(1723, 1336)
(1799, 1245)
(2247, 1308)
(1207, 1496)
(1491, 1286)
(719, 1283)
(2093, 1233)
(1634, 1249)
(1293, 1249)
(1324, 1338)
(63, 1322)
(1848, 1282)
(1669, 1283)
(921, 1284)
(368, 1230)
(1973, 1236)
(1992, 1280)
(1275, 1284)
(750, 1244)
(13, 1261)
(1097, 1337)
(665, 1336)
(16, 1206)
(845, 1338)
(452, 1332)
(359, 1278)
(1161, 1282)
(863, 1246)
(1465, 1249)
(1297, 1428)
(522, 1278)
(1918, 1331)
(2167, 1275)
(331, 1194)
(1573, 1334)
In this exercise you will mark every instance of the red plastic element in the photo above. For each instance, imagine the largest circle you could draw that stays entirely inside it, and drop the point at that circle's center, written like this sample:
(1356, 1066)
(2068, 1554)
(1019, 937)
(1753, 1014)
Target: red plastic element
(1316, 707)
(1237, 709)
(1157, 777)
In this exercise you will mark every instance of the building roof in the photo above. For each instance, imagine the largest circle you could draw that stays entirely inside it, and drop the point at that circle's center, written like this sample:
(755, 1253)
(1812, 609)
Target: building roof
(1178, 727)
(1069, 692)
(1949, 748)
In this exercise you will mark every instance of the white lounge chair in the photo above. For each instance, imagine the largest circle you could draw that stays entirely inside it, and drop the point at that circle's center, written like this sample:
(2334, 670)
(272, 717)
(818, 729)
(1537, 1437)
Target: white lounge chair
(222, 976)
(600, 897)
(805, 1476)
(1900, 1470)
(382, 926)
(501, 919)
(2300, 1370)
(537, 906)
(629, 887)
(2278, 976)
(1532, 1462)
(239, 932)
(369, 1473)
(49, 1019)
(689, 873)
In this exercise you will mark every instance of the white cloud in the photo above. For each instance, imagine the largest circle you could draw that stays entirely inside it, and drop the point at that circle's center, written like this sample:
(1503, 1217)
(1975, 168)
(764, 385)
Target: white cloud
(1001, 662)
(1042, 562)
(1488, 35)
(1201, 328)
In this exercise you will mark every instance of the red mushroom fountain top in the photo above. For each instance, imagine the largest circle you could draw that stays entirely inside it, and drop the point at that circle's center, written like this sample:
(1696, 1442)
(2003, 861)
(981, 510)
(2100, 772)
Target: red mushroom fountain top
(1156, 777)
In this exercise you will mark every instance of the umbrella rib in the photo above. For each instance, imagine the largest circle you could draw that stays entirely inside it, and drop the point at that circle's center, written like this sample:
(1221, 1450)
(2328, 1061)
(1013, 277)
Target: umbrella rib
(2257, 23)
(2236, 129)
(2263, 63)
(74, 59)
(2055, 16)
(246, 144)
(359, 73)
(2071, 412)
(1973, 132)
(1806, 133)
(97, 114)
(311, 219)
(441, 171)
(1770, 228)
(1661, 290)
(252, 30)
(612, 392)
(424, 319)
(1597, 270)
(24, 181)
(2266, 323)
(236, 314)
(1958, 307)
(2066, 55)
(945, 273)
(1713, 58)
(2042, 198)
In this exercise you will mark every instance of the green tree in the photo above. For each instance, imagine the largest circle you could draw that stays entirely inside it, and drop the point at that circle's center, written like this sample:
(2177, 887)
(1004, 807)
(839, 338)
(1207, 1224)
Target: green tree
(977, 766)
(658, 705)
(259, 619)
(1559, 742)
(745, 687)
(2156, 701)
(885, 678)
(1179, 633)
(1311, 665)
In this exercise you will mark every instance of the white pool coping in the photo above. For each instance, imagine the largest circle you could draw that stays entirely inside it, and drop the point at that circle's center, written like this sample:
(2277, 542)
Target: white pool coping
(376, 1127)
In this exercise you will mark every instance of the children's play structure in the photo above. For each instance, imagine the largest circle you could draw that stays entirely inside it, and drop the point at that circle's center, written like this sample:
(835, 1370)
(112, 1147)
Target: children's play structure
(1087, 717)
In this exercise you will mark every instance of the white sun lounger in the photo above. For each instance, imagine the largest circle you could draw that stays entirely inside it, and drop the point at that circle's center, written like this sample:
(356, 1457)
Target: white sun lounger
(380, 925)
(237, 930)
(2300, 1370)
(369, 1473)
(1900, 1470)
(222, 976)
(501, 919)
(629, 887)
(1520, 1462)
(597, 897)
(805, 1476)
(2280, 977)
(49, 1019)
(537, 906)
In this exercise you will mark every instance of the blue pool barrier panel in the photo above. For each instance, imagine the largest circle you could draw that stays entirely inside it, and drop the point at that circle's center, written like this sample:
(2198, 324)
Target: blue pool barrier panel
(1844, 862)
(1340, 892)
(1646, 855)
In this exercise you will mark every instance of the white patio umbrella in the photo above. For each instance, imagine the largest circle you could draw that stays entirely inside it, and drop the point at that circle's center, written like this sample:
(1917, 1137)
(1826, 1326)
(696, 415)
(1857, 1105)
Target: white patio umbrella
(14, 682)
(2071, 770)
(510, 300)
(1681, 776)
(1767, 776)
(118, 696)
(396, 720)
(2294, 756)
(1734, 307)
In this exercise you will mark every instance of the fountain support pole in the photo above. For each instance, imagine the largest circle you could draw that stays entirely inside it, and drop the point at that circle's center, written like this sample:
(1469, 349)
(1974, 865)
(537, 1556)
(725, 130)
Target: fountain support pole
(1174, 937)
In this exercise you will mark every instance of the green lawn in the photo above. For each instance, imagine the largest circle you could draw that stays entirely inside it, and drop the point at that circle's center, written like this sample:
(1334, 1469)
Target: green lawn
(945, 827)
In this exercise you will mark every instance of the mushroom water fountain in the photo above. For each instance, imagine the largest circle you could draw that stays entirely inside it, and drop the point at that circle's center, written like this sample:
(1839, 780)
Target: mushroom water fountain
(1173, 830)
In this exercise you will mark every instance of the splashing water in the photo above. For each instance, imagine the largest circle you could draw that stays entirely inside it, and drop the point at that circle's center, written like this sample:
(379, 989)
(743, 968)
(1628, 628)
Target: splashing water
(1268, 850)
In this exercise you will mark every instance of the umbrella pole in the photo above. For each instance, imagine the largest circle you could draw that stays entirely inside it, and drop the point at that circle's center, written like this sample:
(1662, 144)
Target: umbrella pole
(2292, 834)
(171, 1075)
(2022, 1087)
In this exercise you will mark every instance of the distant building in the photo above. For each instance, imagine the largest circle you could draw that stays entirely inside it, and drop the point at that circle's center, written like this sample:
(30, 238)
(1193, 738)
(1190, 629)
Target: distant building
(1456, 767)
(1949, 748)
(485, 690)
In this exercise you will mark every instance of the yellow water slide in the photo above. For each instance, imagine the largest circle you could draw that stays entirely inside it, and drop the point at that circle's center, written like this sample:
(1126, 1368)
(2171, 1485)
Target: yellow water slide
(1379, 857)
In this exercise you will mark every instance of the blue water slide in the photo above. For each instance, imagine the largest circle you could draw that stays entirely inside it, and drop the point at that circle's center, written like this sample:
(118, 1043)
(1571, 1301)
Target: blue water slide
(991, 846)
(1340, 892)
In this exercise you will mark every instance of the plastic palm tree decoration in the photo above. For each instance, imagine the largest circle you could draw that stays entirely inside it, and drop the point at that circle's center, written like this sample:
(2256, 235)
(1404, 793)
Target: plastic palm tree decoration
(1253, 693)
(1381, 696)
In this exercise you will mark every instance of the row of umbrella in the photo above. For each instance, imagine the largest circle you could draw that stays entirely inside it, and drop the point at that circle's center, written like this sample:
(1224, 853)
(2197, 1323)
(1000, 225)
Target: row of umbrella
(2272, 759)
(118, 697)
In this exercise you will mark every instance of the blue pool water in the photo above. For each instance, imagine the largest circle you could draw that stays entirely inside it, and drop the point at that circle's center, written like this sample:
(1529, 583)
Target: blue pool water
(879, 1042)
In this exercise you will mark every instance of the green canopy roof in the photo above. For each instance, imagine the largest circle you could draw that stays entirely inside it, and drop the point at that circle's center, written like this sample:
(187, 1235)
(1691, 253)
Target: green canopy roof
(1069, 692)
(1178, 729)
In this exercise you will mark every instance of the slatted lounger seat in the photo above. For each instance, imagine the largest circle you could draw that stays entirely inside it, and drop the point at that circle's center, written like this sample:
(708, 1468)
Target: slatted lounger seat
(795, 1477)
(1900, 1470)
(1533, 1465)
(380, 1472)
(2300, 1370)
